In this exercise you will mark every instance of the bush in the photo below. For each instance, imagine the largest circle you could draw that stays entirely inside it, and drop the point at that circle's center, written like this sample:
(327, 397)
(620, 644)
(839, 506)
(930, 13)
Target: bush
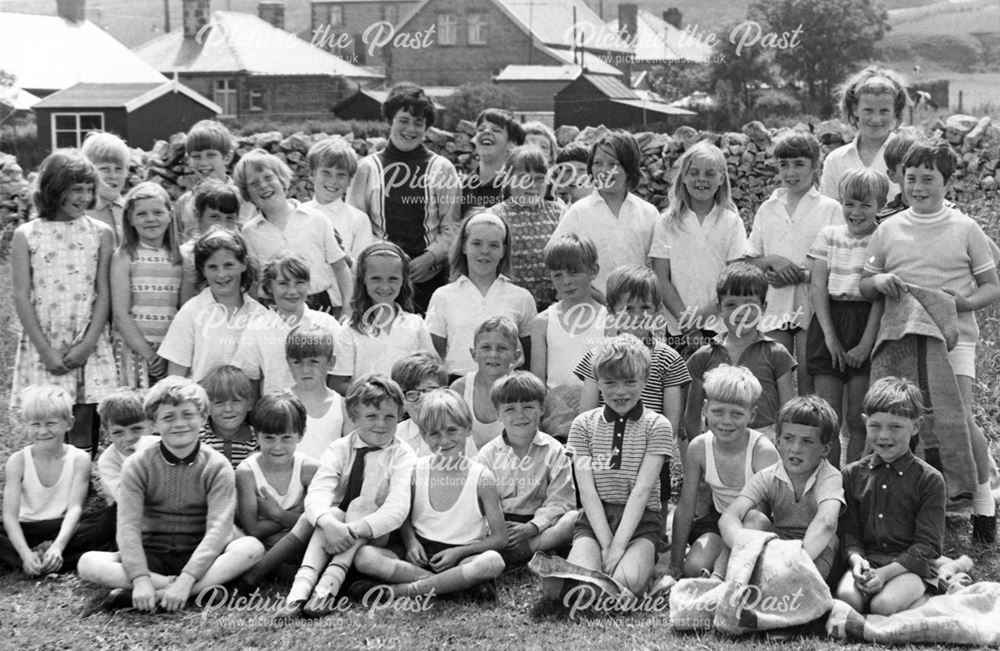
(469, 99)
(21, 140)
(777, 103)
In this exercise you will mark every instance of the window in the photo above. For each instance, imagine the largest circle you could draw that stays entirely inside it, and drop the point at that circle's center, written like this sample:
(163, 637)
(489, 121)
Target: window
(224, 94)
(256, 99)
(336, 16)
(69, 129)
(447, 29)
(477, 29)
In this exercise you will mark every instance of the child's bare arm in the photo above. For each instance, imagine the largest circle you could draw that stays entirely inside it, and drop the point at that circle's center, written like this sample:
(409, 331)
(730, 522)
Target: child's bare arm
(858, 355)
(78, 354)
(671, 299)
(731, 522)
(591, 501)
(823, 528)
(345, 282)
(20, 273)
(986, 293)
(30, 561)
(539, 346)
(52, 558)
(489, 497)
(247, 512)
(694, 469)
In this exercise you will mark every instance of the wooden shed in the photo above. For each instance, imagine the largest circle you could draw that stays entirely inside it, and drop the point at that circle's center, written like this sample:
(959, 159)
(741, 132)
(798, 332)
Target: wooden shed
(592, 100)
(140, 113)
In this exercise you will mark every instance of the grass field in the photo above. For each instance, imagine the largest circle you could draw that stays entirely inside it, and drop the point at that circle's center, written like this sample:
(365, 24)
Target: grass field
(49, 613)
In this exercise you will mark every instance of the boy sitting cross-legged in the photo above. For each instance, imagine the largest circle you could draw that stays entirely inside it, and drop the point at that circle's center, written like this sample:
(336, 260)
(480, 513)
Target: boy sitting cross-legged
(893, 528)
(175, 512)
(719, 463)
(801, 496)
(618, 451)
(532, 471)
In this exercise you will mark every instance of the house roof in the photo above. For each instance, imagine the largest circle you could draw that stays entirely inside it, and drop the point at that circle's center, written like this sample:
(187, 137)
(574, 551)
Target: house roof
(594, 64)
(17, 98)
(238, 42)
(127, 96)
(654, 107)
(538, 73)
(49, 53)
(611, 87)
(550, 22)
(658, 40)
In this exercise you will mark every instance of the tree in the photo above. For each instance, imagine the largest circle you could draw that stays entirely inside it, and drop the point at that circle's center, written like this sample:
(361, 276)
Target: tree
(676, 80)
(834, 36)
(741, 69)
(469, 99)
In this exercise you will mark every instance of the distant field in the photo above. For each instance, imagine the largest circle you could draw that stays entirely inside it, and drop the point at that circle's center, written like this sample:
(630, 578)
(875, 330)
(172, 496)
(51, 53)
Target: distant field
(948, 18)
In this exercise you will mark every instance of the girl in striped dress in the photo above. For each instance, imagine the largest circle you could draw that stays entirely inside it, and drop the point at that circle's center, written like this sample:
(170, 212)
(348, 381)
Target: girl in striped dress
(145, 284)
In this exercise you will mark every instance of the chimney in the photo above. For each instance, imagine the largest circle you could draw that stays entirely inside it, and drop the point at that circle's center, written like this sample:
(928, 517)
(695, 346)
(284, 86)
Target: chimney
(72, 10)
(672, 16)
(273, 12)
(195, 15)
(628, 20)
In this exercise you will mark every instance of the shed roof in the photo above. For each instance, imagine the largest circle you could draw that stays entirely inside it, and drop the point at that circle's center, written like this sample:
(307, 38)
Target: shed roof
(127, 96)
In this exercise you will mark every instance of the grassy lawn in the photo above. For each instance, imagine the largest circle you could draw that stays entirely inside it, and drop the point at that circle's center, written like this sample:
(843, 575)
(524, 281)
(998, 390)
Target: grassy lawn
(49, 613)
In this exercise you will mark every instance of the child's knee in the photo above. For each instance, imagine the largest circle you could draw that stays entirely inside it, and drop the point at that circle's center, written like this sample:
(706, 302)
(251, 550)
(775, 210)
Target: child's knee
(91, 566)
(491, 563)
(367, 559)
(248, 547)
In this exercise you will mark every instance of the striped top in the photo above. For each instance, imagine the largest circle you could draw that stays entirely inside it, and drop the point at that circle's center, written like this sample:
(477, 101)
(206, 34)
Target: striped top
(616, 446)
(155, 282)
(234, 450)
(666, 370)
(844, 255)
(772, 494)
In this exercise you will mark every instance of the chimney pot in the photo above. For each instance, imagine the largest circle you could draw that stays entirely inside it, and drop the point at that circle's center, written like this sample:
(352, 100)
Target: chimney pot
(673, 17)
(195, 15)
(74, 11)
(273, 12)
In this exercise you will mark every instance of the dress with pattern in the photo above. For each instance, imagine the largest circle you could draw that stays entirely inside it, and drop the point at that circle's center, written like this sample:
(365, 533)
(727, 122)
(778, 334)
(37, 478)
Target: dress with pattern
(64, 260)
(155, 283)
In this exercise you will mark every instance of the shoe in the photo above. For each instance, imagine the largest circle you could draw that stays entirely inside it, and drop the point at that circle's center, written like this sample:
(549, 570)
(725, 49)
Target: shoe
(318, 607)
(357, 590)
(291, 610)
(984, 528)
(485, 591)
(547, 567)
(117, 599)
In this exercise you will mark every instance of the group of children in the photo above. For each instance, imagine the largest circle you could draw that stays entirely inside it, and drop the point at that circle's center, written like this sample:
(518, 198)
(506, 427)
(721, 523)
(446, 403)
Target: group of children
(408, 451)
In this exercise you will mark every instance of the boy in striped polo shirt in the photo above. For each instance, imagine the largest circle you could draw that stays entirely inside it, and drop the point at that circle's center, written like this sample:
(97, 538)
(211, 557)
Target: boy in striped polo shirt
(801, 496)
(618, 451)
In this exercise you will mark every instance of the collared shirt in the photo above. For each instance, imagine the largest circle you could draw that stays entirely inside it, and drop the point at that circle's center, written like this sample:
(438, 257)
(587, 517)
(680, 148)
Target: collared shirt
(845, 158)
(457, 309)
(203, 336)
(772, 493)
(235, 451)
(353, 226)
(175, 460)
(616, 446)
(111, 213)
(894, 509)
(775, 232)
(539, 484)
(620, 240)
(109, 466)
(261, 351)
(386, 486)
(698, 251)
(765, 358)
(844, 255)
(310, 234)
(359, 353)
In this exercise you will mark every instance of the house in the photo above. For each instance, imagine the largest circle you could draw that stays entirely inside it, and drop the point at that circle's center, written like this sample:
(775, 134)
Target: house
(354, 29)
(657, 40)
(140, 113)
(457, 42)
(50, 53)
(592, 100)
(251, 67)
(366, 104)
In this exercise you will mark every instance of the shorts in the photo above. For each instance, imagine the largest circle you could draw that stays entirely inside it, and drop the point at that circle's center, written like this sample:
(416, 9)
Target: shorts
(518, 518)
(650, 525)
(963, 359)
(431, 547)
(320, 301)
(823, 562)
(850, 318)
(708, 523)
(167, 554)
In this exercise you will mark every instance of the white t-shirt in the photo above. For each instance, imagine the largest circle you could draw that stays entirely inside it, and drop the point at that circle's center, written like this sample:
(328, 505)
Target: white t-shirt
(359, 354)
(845, 158)
(353, 225)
